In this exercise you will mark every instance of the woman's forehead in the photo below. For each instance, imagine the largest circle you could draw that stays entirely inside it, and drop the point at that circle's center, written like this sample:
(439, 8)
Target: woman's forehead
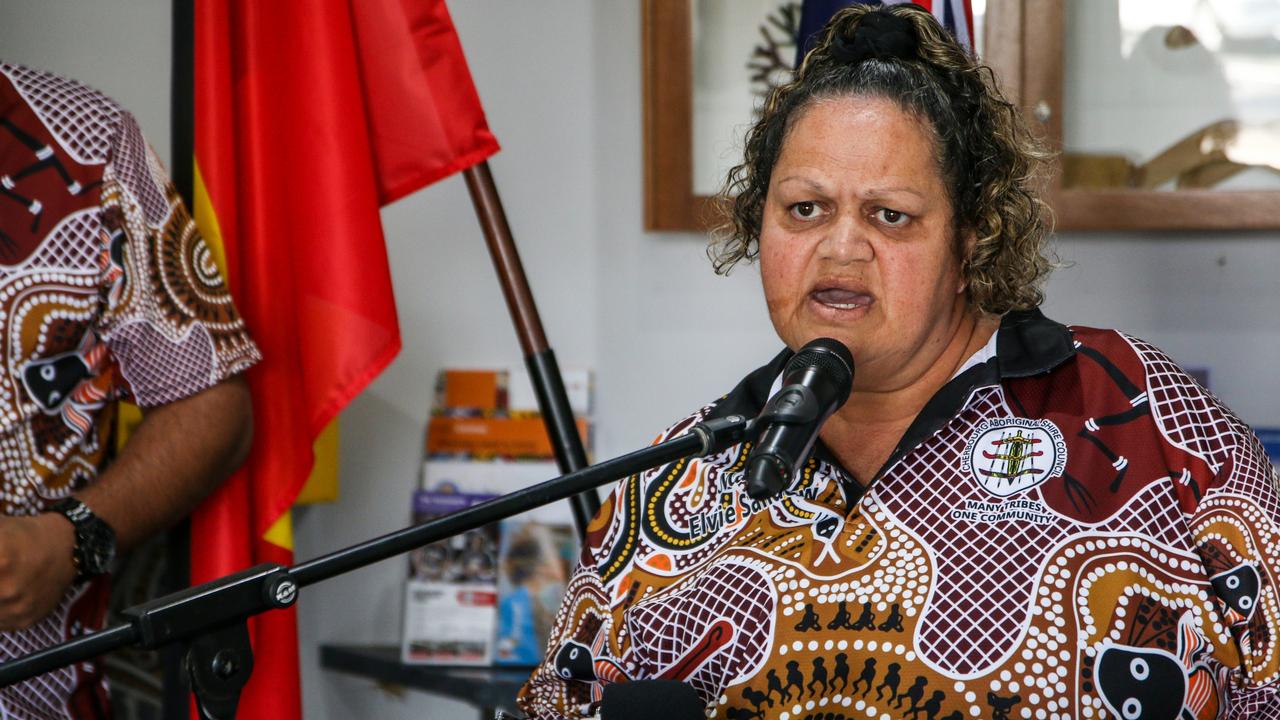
(832, 139)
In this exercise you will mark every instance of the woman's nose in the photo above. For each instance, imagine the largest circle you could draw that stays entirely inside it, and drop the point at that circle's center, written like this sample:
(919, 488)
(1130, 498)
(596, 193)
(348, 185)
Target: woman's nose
(847, 240)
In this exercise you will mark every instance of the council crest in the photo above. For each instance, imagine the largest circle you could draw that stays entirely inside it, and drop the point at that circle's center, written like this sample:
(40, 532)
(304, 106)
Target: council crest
(1007, 456)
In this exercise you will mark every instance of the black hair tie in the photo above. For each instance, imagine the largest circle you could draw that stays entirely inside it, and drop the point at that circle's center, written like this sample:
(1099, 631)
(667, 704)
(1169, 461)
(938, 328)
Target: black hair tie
(880, 34)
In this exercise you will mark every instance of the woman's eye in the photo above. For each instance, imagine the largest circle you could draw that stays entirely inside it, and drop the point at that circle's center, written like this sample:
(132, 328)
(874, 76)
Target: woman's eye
(892, 218)
(806, 210)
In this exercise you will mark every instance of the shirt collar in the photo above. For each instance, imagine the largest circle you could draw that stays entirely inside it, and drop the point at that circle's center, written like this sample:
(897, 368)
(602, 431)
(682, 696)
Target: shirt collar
(1027, 343)
(1031, 344)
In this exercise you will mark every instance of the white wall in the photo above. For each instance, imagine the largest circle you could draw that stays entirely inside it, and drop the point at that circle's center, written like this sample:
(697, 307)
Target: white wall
(561, 85)
(121, 47)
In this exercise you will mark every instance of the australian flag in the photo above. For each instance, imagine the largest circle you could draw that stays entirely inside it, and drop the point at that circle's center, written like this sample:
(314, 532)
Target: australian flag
(955, 15)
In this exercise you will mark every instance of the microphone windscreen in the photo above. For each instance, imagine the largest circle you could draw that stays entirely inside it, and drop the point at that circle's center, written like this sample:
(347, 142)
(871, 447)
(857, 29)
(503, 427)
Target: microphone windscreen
(829, 357)
(647, 699)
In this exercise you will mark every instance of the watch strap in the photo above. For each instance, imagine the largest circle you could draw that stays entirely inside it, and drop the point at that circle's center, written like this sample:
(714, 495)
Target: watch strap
(95, 540)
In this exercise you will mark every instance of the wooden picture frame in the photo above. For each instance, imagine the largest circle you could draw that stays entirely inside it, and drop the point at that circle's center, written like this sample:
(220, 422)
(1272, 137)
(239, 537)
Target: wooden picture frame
(670, 203)
(1026, 42)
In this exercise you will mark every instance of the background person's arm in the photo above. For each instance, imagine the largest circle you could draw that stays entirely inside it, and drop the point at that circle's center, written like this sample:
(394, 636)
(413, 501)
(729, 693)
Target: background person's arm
(178, 454)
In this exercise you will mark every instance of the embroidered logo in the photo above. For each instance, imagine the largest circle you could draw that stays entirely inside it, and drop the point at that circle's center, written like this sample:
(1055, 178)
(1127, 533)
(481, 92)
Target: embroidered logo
(1009, 455)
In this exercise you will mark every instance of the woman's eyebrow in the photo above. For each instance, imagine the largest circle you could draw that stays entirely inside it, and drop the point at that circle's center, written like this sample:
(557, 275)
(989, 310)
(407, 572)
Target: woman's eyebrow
(880, 192)
(810, 182)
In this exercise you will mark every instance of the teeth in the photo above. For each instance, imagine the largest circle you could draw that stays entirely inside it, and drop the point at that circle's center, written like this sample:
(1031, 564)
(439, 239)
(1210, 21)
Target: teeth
(844, 306)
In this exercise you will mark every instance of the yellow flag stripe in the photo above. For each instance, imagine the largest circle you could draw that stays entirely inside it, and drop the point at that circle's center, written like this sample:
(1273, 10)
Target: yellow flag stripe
(322, 486)
(127, 419)
(281, 533)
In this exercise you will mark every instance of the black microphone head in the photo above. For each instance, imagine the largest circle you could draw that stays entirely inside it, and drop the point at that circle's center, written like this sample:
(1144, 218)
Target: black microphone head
(646, 699)
(815, 383)
(830, 357)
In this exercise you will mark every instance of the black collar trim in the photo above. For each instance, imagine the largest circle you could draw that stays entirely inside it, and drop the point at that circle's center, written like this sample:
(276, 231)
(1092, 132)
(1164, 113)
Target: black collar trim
(1031, 344)
(1028, 344)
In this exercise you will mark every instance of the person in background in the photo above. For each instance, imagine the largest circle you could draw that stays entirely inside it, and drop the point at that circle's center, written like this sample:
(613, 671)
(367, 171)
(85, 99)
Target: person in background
(530, 585)
(107, 293)
(1008, 518)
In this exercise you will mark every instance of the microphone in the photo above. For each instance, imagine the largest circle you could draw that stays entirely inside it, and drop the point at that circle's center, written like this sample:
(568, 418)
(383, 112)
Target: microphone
(645, 699)
(815, 384)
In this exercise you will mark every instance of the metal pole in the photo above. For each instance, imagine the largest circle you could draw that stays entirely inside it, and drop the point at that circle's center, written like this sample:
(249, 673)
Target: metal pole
(538, 356)
(174, 689)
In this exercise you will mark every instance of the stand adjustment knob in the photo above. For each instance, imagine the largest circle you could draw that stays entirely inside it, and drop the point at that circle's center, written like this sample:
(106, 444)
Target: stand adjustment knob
(280, 590)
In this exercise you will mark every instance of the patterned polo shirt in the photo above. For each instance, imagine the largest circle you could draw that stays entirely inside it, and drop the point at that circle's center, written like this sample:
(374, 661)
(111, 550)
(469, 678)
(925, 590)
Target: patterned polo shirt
(107, 292)
(1071, 528)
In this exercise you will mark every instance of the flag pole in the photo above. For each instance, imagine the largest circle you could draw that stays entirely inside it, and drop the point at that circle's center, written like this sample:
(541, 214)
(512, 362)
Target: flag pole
(538, 355)
(174, 690)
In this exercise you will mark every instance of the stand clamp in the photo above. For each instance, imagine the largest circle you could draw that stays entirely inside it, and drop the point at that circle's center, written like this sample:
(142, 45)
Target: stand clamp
(219, 658)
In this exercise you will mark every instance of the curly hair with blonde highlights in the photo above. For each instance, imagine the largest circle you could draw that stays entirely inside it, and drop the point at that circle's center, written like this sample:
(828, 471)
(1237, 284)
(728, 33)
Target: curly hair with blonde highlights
(990, 163)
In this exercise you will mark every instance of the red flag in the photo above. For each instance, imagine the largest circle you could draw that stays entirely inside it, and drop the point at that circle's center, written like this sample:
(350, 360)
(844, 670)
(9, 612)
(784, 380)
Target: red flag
(310, 114)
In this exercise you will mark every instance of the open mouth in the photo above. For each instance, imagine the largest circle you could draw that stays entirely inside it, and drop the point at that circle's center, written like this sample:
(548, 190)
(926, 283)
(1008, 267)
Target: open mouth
(842, 298)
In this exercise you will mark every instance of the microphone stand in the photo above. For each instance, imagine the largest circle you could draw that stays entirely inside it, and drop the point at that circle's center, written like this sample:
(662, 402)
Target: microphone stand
(211, 619)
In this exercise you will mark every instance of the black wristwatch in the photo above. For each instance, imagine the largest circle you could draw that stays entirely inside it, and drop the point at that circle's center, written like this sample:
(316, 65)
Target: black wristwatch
(95, 548)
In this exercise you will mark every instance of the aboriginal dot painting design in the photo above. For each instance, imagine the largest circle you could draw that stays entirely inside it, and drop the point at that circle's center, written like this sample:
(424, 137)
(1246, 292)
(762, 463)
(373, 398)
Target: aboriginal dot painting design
(1115, 559)
(107, 292)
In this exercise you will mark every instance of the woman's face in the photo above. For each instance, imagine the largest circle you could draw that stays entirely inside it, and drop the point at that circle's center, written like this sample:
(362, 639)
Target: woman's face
(857, 242)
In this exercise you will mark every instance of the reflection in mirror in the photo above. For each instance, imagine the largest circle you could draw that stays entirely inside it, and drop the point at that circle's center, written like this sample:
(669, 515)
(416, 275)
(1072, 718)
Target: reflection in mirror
(741, 50)
(1172, 94)
(734, 40)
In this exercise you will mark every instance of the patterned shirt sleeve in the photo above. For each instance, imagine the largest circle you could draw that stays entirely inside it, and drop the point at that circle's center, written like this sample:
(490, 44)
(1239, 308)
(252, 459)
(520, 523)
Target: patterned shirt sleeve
(1236, 527)
(168, 319)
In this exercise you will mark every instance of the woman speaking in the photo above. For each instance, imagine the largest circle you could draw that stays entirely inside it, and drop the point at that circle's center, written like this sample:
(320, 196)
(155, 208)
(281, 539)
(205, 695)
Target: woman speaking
(1009, 518)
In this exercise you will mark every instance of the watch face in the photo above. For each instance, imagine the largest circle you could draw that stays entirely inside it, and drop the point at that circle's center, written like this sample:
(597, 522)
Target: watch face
(98, 548)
